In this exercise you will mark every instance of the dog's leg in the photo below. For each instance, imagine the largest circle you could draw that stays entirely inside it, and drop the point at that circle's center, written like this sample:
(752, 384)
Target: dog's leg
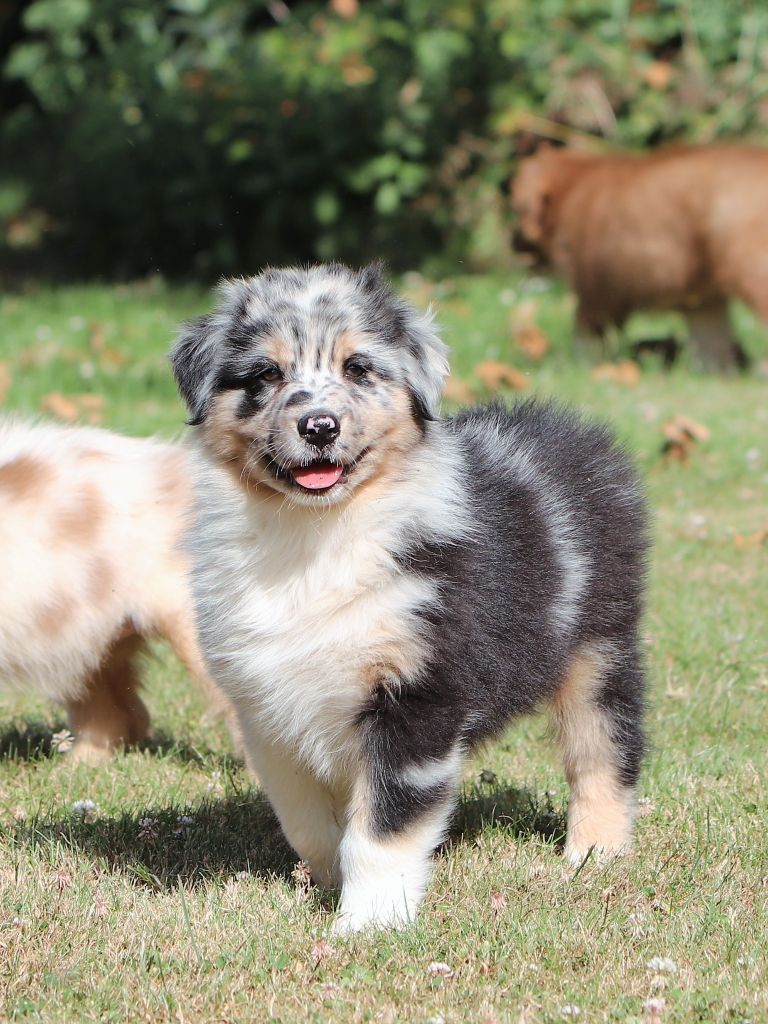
(598, 721)
(306, 809)
(399, 812)
(110, 713)
(717, 349)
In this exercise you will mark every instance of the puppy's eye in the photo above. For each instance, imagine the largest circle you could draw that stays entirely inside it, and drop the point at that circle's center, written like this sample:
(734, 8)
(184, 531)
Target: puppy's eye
(271, 375)
(355, 370)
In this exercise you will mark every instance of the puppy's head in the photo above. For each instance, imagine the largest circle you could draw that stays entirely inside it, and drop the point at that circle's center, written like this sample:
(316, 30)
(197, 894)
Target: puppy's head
(311, 381)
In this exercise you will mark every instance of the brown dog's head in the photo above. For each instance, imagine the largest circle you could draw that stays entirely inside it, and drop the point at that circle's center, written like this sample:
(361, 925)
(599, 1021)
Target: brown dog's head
(539, 183)
(308, 382)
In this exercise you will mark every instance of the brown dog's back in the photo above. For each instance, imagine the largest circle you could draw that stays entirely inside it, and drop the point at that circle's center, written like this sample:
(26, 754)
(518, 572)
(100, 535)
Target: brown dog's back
(678, 229)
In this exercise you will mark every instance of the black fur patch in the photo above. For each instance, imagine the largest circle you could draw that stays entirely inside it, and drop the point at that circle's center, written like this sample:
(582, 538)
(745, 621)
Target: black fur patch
(497, 650)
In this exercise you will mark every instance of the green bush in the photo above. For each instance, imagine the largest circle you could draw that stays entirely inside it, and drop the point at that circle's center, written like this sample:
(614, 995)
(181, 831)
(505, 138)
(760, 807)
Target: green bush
(210, 136)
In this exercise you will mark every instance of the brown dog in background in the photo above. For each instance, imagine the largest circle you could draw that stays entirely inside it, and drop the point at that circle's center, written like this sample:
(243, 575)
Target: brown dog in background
(685, 228)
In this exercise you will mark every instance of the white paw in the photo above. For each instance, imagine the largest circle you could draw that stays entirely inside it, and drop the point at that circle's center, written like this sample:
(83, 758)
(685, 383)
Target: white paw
(579, 856)
(375, 909)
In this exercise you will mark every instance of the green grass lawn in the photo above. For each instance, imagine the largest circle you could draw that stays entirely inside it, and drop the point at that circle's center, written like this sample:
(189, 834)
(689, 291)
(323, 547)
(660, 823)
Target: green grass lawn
(176, 898)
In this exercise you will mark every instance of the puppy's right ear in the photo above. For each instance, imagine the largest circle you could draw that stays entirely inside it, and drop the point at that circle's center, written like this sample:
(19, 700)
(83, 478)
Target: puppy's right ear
(193, 358)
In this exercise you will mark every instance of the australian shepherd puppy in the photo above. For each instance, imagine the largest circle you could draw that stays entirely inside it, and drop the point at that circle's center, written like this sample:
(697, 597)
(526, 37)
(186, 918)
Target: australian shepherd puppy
(380, 589)
(89, 570)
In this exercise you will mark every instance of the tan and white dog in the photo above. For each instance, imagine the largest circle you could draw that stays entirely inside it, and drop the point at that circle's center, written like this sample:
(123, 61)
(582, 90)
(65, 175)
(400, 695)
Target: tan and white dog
(90, 570)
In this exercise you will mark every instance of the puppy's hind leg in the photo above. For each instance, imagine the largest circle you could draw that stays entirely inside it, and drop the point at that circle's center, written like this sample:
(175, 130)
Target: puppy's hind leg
(598, 721)
(110, 713)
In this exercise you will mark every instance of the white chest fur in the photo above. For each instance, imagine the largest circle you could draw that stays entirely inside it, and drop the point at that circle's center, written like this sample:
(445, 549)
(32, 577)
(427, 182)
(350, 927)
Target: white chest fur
(301, 611)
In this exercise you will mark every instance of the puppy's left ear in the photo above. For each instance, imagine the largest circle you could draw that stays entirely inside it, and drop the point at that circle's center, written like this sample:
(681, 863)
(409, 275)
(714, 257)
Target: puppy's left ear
(192, 359)
(428, 362)
(426, 354)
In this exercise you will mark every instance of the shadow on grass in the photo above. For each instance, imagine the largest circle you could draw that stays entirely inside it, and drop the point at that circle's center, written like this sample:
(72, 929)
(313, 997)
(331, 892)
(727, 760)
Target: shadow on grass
(219, 838)
(162, 847)
(32, 739)
(517, 811)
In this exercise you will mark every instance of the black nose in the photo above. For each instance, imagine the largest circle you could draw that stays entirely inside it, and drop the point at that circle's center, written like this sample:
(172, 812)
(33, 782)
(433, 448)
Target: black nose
(319, 428)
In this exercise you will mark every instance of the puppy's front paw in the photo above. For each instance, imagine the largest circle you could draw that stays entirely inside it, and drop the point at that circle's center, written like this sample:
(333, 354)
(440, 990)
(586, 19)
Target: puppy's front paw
(377, 907)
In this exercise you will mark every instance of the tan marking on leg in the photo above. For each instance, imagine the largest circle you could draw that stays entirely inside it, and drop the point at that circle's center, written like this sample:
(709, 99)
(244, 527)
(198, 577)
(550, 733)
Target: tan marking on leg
(601, 809)
(110, 713)
(24, 477)
(82, 521)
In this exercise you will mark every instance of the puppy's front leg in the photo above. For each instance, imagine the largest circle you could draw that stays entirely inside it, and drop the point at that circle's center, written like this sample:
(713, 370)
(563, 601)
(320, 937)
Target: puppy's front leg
(399, 812)
(305, 808)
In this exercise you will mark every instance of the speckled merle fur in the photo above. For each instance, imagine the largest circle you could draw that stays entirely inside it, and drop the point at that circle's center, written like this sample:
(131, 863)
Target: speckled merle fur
(462, 571)
(495, 652)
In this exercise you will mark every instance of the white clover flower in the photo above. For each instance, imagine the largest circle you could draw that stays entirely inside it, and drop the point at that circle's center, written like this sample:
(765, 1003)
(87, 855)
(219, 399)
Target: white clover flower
(62, 741)
(569, 1010)
(440, 970)
(86, 809)
(148, 830)
(662, 965)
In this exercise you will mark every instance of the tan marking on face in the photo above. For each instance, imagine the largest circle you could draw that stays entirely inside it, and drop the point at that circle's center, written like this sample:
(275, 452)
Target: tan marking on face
(398, 433)
(601, 809)
(24, 477)
(229, 438)
(277, 349)
(81, 521)
(346, 344)
(53, 617)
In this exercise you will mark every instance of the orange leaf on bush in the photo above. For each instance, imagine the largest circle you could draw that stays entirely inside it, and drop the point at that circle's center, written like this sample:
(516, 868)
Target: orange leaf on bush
(496, 376)
(658, 74)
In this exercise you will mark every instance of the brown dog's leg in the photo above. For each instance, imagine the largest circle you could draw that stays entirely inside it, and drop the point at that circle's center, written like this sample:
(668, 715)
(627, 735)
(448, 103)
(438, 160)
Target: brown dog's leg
(717, 349)
(110, 713)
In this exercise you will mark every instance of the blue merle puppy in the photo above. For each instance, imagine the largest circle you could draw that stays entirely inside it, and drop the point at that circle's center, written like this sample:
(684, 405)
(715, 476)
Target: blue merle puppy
(380, 589)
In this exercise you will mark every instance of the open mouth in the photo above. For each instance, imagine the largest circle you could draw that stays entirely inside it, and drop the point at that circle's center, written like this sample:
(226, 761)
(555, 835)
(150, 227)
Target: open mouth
(318, 476)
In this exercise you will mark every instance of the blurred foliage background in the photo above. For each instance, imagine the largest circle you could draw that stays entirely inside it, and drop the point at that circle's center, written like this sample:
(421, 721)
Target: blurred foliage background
(200, 137)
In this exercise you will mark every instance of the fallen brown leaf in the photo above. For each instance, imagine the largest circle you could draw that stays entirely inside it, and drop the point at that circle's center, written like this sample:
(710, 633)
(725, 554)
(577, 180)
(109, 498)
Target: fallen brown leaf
(625, 372)
(71, 408)
(681, 434)
(5, 381)
(457, 390)
(532, 341)
(97, 336)
(752, 540)
(496, 376)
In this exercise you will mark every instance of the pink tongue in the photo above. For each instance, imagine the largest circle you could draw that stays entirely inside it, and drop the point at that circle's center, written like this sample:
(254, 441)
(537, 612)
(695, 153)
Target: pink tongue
(316, 477)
